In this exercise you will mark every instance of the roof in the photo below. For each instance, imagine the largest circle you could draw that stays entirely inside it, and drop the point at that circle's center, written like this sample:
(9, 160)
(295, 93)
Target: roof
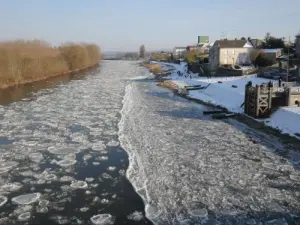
(231, 43)
(256, 42)
(266, 50)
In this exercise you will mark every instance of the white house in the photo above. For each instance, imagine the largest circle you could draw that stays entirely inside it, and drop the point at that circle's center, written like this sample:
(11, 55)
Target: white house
(179, 51)
(229, 52)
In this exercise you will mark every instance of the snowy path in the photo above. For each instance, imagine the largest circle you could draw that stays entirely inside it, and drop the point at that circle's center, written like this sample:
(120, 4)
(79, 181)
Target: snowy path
(191, 170)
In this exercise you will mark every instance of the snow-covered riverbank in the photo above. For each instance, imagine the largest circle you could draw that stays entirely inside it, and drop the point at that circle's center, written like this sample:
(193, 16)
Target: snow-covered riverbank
(221, 92)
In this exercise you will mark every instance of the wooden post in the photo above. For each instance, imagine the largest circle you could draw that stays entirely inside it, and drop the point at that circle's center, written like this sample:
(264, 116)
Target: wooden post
(270, 96)
(246, 99)
(289, 96)
(257, 96)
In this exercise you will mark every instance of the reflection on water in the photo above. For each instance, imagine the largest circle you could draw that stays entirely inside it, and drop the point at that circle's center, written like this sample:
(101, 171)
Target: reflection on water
(16, 93)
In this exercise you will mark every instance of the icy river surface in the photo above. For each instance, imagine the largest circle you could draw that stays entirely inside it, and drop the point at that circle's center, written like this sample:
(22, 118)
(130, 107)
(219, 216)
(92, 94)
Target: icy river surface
(65, 152)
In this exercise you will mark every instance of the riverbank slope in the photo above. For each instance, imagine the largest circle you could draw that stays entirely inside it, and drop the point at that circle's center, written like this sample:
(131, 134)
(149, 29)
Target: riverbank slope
(228, 92)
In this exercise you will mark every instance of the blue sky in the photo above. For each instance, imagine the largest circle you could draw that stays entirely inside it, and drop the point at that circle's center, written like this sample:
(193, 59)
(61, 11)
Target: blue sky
(125, 24)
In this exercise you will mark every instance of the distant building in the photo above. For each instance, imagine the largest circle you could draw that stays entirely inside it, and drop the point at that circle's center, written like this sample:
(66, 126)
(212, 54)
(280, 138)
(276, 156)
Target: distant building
(257, 43)
(204, 48)
(203, 40)
(179, 51)
(192, 48)
(229, 52)
(273, 54)
(297, 49)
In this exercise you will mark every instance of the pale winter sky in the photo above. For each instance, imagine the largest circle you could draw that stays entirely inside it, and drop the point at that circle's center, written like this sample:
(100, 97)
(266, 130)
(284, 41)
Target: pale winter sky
(124, 25)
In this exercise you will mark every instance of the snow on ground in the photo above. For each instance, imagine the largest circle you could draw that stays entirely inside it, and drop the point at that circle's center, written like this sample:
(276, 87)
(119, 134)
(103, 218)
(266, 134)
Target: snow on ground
(287, 119)
(220, 92)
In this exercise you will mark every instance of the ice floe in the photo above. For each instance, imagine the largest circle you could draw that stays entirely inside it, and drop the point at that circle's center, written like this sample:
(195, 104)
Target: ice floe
(79, 184)
(62, 151)
(26, 199)
(102, 219)
(135, 216)
(3, 200)
(66, 162)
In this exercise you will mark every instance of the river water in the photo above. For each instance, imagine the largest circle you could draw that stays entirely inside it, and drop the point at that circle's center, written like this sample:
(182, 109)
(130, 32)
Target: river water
(65, 150)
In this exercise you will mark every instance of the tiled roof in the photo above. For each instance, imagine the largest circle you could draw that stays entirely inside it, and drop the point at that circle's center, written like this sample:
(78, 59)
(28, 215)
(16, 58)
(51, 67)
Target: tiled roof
(232, 43)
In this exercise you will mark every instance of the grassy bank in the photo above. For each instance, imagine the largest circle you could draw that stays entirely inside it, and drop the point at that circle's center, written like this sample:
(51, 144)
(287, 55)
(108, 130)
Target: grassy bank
(154, 68)
(27, 61)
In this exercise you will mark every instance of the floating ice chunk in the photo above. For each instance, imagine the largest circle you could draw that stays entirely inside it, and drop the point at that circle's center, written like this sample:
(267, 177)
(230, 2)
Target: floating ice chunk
(96, 199)
(186, 222)
(66, 179)
(70, 156)
(11, 187)
(79, 184)
(276, 222)
(270, 166)
(62, 220)
(295, 177)
(102, 219)
(66, 162)
(104, 201)
(136, 216)
(62, 151)
(4, 170)
(24, 216)
(152, 211)
(8, 165)
(87, 157)
(36, 157)
(113, 143)
(84, 209)
(111, 168)
(42, 209)
(106, 176)
(98, 146)
(26, 199)
(96, 163)
(122, 172)
(89, 179)
(199, 212)
(103, 158)
(3, 200)
(110, 132)
(251, 222)
(46, 176)
(43, 202)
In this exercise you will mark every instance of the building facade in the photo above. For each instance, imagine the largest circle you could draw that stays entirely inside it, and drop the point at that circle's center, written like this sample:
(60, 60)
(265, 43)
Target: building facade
(229, 52)
(297, 48)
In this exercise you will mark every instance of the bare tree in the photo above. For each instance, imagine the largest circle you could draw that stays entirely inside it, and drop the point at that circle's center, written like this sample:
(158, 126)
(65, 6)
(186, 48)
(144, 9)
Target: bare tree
(142, 51)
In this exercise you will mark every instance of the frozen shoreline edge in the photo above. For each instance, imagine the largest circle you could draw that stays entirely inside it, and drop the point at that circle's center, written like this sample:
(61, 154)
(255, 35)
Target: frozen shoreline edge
(126, 146)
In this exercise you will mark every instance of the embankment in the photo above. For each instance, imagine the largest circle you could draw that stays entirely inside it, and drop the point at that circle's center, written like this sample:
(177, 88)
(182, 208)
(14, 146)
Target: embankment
(24, 62)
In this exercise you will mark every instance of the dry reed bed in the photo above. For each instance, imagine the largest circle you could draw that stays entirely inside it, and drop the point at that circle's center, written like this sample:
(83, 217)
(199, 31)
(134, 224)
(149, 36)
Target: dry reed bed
(27, 61)
(168, 84)
(154, 68)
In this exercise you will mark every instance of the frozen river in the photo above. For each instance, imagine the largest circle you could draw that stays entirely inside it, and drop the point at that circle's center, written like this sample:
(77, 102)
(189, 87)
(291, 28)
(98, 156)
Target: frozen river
(60, 157)
(64, 155)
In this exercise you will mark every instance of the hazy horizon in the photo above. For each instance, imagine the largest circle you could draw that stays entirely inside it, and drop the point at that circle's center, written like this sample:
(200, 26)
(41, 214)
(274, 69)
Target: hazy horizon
(121, 26)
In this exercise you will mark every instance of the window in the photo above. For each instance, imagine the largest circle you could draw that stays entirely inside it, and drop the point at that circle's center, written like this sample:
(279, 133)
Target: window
(233, 52)
(225, 52)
